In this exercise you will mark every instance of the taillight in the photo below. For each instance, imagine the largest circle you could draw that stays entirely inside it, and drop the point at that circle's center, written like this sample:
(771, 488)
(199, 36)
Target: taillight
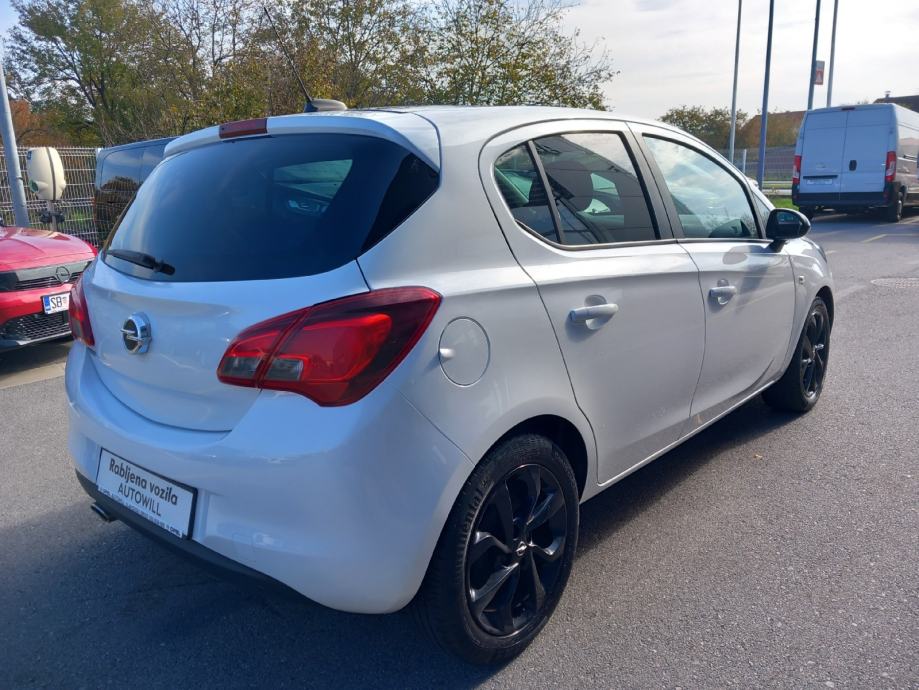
(79, 314)
(891, 170)
(796, 171)
(334, 353)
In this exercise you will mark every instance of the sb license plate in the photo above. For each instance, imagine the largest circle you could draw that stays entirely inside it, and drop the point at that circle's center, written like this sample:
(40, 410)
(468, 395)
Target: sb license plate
(52, 304)
(164, 503)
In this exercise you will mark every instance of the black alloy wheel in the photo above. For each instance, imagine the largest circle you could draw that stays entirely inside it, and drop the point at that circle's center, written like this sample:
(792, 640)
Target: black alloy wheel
(514, 554)
(802, 383)
(814, 353)
(505, 552)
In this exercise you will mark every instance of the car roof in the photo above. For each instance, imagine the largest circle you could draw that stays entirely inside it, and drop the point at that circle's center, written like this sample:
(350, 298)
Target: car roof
(417, 127)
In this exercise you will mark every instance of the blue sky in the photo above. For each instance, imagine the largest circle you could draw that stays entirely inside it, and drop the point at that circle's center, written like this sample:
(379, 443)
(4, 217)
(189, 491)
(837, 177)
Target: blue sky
(673, 52)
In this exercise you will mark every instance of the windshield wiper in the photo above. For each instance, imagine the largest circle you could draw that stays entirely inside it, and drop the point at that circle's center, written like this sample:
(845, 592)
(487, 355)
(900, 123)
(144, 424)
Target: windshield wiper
(142, 259)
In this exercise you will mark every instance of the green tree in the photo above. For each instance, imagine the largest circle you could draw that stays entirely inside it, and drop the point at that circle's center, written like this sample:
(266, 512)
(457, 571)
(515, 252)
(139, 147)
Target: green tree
(496, 52)
(711, 125)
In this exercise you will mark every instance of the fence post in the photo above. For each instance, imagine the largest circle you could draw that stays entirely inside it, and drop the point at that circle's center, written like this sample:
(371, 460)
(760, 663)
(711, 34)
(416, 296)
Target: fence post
(13, 171)
(743, 161)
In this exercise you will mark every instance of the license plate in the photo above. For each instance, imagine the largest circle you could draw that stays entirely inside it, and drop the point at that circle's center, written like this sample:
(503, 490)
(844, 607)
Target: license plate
(163, 502)
(821, 180)
(55, 303)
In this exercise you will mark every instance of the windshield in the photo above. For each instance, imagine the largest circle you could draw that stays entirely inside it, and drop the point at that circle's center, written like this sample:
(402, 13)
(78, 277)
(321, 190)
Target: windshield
(269, 207)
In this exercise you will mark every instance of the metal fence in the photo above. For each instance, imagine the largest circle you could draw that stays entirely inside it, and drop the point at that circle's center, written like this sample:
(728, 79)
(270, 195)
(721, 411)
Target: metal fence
(779, 163)
(77, 204)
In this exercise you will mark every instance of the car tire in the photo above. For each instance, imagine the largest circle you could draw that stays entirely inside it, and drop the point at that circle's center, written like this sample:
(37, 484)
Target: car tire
(894, 211)
(504, 556)
(800, 387)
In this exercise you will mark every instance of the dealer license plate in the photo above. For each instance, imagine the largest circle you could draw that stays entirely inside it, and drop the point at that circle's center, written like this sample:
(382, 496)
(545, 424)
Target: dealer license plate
(52, 304)
(164, 503)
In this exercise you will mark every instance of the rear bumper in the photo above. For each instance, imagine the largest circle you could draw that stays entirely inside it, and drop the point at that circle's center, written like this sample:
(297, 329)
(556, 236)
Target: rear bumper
(840, 200)
(343, 505)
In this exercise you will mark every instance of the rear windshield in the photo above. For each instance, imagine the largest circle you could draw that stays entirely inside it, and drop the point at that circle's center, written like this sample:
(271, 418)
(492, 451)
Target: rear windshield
(270, 207)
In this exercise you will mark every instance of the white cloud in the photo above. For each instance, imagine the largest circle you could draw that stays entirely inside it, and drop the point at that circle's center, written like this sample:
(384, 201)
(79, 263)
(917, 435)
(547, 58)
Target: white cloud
(674, 52)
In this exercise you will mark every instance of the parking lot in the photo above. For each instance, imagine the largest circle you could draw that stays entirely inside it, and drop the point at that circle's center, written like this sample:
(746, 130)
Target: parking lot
(768, 550)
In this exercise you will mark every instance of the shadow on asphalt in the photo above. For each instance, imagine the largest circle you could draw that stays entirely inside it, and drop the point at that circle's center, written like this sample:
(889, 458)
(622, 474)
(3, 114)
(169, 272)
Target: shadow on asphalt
(103, 604)
(33, 356)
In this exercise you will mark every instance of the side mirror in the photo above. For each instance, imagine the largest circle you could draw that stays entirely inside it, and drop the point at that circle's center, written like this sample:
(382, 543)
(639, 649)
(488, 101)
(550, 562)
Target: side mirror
(785, 224)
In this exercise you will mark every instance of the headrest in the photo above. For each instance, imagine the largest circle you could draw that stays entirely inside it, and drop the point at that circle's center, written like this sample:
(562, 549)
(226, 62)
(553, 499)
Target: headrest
(572, 181)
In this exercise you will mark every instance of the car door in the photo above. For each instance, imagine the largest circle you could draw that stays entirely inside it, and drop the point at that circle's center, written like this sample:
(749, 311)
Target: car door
(746, 281)
(621, 294)
(864, 157)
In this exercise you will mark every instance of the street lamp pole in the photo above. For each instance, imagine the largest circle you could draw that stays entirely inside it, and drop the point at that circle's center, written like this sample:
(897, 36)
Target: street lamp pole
(734, 93)
(761, 164)
(829, 83)
(810, 88)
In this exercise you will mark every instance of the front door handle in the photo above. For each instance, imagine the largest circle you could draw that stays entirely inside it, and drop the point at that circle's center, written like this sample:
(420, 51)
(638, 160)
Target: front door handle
(722, 294)
(597, 311)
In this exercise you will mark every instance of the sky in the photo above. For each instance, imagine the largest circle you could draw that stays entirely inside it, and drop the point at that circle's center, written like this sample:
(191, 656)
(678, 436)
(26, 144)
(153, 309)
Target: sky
(681, 52)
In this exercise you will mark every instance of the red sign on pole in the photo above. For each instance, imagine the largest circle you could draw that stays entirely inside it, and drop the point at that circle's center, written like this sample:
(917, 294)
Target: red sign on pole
(818, 72)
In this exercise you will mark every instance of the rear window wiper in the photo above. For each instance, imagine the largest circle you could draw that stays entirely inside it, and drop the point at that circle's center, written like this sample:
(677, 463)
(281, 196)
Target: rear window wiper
(142, 259)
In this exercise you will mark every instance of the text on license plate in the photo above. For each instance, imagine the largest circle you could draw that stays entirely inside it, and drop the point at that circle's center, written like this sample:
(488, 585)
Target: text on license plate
(163, 502)
(55, 303)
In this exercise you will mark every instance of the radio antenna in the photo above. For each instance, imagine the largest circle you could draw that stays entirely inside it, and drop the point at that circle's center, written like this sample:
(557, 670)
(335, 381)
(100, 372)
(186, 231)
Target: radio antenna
(309, 108)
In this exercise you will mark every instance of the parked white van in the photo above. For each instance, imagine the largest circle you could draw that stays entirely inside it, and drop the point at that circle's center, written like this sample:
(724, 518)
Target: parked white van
(856, 158)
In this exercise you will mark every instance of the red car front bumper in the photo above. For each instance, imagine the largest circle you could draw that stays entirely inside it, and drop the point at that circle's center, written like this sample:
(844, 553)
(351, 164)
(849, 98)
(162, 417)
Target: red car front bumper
(22, 317)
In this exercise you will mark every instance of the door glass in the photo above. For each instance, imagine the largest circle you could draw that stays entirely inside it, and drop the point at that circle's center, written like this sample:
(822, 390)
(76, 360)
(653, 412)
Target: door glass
(596, 189)
(518, 180)
(710, 201)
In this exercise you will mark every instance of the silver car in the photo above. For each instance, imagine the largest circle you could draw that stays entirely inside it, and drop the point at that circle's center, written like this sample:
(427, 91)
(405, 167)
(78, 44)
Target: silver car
(381, 357)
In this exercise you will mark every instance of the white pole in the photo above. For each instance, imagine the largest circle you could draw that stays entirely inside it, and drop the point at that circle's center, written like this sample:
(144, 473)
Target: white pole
(829, 84)
(764, 117)
(13, 172)
(734, 92)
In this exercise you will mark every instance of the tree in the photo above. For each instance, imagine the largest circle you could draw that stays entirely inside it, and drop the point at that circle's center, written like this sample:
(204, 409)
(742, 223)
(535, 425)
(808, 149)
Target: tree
(712, 125)
(492, 52)
(112, 71)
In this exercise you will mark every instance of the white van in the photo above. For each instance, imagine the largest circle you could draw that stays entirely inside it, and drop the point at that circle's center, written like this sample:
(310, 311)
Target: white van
(856, 158)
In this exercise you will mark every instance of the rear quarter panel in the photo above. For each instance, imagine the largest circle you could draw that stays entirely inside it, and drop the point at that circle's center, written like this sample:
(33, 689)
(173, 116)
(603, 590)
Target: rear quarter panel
(453, 245)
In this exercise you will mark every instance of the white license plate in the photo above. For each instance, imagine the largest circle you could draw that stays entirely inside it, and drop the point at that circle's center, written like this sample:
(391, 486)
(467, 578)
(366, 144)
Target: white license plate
(55, 303)
(162, 502)
(821, 181)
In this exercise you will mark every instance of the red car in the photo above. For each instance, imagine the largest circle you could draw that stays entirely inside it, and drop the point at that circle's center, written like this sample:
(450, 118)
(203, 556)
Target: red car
(37, 270)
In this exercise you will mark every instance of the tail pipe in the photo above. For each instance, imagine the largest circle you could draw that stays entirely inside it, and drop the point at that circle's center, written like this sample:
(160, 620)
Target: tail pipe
(103, 514)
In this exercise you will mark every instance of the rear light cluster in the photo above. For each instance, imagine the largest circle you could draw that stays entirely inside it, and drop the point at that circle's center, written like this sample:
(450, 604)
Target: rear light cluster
(79, 315)
(334, 353)
(890, 170)
(796, 171)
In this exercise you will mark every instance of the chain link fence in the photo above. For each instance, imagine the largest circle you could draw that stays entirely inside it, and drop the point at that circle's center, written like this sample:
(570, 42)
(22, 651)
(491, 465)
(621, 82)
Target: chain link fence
(77, 204)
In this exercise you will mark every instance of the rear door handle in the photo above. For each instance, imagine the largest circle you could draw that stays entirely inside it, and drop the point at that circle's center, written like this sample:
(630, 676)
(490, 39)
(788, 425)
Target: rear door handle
(597, 311)
(722, 294)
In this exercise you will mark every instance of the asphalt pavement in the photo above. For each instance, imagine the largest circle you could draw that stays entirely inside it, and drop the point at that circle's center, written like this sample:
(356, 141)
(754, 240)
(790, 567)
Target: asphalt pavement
(770, 550)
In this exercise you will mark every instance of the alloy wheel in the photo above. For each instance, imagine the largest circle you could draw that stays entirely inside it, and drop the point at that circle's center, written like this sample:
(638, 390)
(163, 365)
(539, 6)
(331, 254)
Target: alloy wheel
(814, 353)
(513, 558)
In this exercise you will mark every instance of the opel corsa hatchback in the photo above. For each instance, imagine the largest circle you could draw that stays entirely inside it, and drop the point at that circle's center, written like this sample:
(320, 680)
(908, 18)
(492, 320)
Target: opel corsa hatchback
(382, 356)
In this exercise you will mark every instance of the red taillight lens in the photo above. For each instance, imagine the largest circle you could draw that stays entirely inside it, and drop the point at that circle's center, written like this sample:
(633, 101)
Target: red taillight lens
(796, 171)
(890, 171)
(79, 315)
(334, 353)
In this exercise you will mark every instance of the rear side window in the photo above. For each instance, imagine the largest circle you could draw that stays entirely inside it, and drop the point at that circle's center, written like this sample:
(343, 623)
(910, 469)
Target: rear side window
(523, 190)
(596, 189)
(271, 207)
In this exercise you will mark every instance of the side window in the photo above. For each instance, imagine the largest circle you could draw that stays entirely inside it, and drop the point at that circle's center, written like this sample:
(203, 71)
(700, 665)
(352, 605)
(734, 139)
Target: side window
(596, 189)
(518, 179)
(710, 201)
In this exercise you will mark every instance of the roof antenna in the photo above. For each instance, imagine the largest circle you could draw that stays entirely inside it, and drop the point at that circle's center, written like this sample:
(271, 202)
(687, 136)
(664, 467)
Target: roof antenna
(309, 107)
